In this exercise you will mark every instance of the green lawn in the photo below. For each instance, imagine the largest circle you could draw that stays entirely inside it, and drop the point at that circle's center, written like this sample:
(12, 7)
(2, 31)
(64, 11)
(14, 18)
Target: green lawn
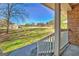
(23, 37)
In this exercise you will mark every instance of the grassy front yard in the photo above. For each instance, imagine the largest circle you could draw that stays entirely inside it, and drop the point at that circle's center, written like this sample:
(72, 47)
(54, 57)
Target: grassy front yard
(24, 37)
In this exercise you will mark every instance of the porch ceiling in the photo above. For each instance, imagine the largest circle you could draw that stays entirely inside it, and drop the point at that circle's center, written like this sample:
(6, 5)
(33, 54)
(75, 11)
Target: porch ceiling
(64, 7)
(73, 5)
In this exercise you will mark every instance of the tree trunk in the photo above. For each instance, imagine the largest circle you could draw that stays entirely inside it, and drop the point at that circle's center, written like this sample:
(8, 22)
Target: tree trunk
(8, 17)
(7, 26)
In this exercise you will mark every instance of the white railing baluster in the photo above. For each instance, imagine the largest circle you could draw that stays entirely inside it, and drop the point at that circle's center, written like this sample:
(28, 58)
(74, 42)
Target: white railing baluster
(44, 47)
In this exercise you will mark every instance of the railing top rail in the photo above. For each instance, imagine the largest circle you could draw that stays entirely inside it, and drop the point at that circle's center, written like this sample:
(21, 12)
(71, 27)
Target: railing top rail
(50, 34)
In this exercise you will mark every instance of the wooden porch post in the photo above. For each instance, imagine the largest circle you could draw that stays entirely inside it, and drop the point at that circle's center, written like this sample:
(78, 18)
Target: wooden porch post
(57, 29)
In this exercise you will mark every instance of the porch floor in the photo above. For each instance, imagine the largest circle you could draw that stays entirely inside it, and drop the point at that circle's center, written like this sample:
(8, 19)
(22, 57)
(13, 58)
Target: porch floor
(71, 50)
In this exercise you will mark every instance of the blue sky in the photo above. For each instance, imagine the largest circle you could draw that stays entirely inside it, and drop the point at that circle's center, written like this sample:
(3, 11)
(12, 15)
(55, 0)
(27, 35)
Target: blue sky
(37, 13)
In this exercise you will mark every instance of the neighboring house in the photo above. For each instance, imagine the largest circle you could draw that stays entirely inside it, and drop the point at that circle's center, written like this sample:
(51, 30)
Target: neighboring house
(41, 24)
(13, 26)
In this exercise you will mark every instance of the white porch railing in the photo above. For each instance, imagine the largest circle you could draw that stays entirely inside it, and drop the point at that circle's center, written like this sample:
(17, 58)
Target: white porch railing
(46, 46)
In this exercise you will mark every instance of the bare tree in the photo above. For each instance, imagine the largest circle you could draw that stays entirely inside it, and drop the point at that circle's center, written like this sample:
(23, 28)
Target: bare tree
(10, 11)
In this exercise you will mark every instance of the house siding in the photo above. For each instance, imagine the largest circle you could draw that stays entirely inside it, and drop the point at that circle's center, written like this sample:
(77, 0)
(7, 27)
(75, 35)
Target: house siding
(73, 25)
